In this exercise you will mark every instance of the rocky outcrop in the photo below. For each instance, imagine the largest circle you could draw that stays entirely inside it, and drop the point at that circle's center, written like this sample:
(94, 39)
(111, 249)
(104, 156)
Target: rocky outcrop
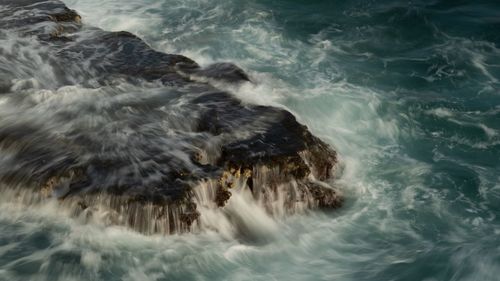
(152, 178)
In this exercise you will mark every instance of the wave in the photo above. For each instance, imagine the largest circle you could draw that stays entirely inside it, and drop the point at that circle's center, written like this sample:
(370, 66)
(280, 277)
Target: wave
(413, 117)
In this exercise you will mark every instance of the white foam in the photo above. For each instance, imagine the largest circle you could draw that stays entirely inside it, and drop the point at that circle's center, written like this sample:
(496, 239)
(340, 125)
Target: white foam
(362, 124)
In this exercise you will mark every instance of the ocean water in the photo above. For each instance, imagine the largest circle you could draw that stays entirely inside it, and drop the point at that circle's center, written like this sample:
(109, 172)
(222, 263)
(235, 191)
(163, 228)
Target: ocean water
(407, 92)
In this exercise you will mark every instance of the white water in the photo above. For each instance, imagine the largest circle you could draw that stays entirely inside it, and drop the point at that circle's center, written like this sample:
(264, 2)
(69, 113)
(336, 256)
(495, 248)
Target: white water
(377, 230)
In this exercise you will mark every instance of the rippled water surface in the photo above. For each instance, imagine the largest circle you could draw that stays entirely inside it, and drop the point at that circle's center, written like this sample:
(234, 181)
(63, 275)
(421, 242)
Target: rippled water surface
(406, 91)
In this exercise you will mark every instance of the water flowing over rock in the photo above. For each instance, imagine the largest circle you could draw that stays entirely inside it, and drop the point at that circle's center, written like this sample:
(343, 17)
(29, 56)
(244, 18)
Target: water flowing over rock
(152, 157)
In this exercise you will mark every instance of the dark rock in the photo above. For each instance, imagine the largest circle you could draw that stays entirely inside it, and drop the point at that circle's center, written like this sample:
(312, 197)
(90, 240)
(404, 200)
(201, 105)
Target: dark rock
(131, 163)
(38, 17)
(121, 53)
(66, 15)
(222, 196)
(5, 87)
(226, 72)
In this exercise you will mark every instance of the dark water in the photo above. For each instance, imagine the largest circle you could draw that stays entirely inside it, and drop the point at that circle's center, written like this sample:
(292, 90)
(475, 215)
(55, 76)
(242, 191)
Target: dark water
(406, 91)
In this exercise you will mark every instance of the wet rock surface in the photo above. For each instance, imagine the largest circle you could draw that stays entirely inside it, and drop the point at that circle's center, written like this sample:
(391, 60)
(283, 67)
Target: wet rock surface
(145, 155)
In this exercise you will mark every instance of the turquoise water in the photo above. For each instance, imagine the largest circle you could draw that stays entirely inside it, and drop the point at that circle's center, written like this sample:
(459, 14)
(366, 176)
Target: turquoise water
(406, 91)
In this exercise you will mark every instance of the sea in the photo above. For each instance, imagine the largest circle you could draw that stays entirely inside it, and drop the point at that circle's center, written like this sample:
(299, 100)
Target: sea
(407, 92)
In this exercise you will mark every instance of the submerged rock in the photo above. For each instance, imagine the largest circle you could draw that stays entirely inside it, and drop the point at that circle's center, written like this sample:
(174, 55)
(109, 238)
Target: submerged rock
(154, 160)
(226, 72)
